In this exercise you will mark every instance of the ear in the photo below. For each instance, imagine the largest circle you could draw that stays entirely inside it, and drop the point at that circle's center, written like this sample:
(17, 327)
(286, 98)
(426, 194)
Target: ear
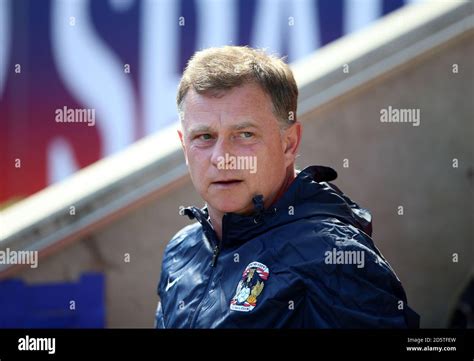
(291, 142)
(181, 139)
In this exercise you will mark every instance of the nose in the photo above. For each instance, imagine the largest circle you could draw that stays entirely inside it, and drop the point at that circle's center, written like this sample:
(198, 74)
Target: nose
(221, 147)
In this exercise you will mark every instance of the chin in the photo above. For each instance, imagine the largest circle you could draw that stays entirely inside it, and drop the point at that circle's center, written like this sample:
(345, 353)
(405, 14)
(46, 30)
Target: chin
(229, 205)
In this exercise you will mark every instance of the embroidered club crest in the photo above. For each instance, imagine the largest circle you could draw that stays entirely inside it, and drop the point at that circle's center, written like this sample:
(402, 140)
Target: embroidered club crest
(250, 287)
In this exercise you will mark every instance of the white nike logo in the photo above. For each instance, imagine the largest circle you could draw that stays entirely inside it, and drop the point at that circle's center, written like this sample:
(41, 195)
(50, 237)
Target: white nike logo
(170, 284)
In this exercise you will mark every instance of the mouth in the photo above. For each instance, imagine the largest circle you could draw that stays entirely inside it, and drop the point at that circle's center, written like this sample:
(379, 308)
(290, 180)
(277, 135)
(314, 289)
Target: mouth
(228, 183)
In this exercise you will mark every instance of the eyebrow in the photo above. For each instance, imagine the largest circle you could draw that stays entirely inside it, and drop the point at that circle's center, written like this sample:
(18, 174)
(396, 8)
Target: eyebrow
(200, 129)
(208, 129)
(244, 125)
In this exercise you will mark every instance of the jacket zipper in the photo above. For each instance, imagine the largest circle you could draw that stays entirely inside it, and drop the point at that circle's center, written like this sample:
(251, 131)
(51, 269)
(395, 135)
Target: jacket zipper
(215, 255)
(198, 308)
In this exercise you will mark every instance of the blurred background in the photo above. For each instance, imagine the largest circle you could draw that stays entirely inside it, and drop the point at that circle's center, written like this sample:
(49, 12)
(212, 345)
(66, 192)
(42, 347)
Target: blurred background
(99, 198)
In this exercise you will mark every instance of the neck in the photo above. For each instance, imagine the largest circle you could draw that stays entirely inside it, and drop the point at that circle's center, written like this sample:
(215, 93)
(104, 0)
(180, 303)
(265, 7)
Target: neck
(216, 215)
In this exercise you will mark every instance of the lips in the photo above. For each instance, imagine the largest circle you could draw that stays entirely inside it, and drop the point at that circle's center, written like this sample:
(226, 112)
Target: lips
(227, 183)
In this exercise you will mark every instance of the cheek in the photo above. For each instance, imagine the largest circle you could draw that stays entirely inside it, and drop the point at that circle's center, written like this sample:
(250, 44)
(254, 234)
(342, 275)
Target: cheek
(198, 157)
(270, 167)
(198, 162)
(270, 158)
(271, 170)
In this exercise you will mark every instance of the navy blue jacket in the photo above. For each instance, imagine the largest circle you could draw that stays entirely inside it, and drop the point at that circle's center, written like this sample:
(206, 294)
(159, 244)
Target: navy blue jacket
(306, 262)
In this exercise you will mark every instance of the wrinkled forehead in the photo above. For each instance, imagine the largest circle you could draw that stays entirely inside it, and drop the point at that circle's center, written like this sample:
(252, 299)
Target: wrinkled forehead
(210, 121)
(237, 107)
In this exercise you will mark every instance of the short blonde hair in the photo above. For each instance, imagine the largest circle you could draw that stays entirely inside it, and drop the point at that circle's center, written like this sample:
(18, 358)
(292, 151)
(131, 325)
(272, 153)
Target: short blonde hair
(214, 70)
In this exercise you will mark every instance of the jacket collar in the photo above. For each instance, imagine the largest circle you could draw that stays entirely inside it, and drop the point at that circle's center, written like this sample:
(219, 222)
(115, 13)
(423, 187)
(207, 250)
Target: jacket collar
(305, 197)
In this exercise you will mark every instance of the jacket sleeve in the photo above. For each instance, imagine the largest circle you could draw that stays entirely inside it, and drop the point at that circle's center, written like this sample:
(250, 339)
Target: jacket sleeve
(357, 305)
(354, 296)
(159, 322)
(159, 315)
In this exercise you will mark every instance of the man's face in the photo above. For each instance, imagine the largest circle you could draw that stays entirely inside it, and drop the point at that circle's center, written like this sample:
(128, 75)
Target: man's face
(235, 130)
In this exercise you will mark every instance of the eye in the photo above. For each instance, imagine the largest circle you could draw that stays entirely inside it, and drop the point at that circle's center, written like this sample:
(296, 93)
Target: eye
(246, 135)
(205, 136)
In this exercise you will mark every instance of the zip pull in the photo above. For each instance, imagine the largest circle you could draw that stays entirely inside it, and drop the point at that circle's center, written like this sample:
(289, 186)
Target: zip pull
(215, 254)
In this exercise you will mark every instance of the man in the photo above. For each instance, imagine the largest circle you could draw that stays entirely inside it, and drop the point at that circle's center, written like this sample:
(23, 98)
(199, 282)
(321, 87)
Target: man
(273, 247)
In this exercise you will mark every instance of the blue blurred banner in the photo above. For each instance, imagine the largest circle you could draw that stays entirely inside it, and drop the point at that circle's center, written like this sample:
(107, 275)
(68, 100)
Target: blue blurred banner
(53, 305)
(120, 62)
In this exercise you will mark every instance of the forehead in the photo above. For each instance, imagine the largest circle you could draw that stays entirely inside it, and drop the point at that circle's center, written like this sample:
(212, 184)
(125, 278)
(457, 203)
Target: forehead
(248, 101)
